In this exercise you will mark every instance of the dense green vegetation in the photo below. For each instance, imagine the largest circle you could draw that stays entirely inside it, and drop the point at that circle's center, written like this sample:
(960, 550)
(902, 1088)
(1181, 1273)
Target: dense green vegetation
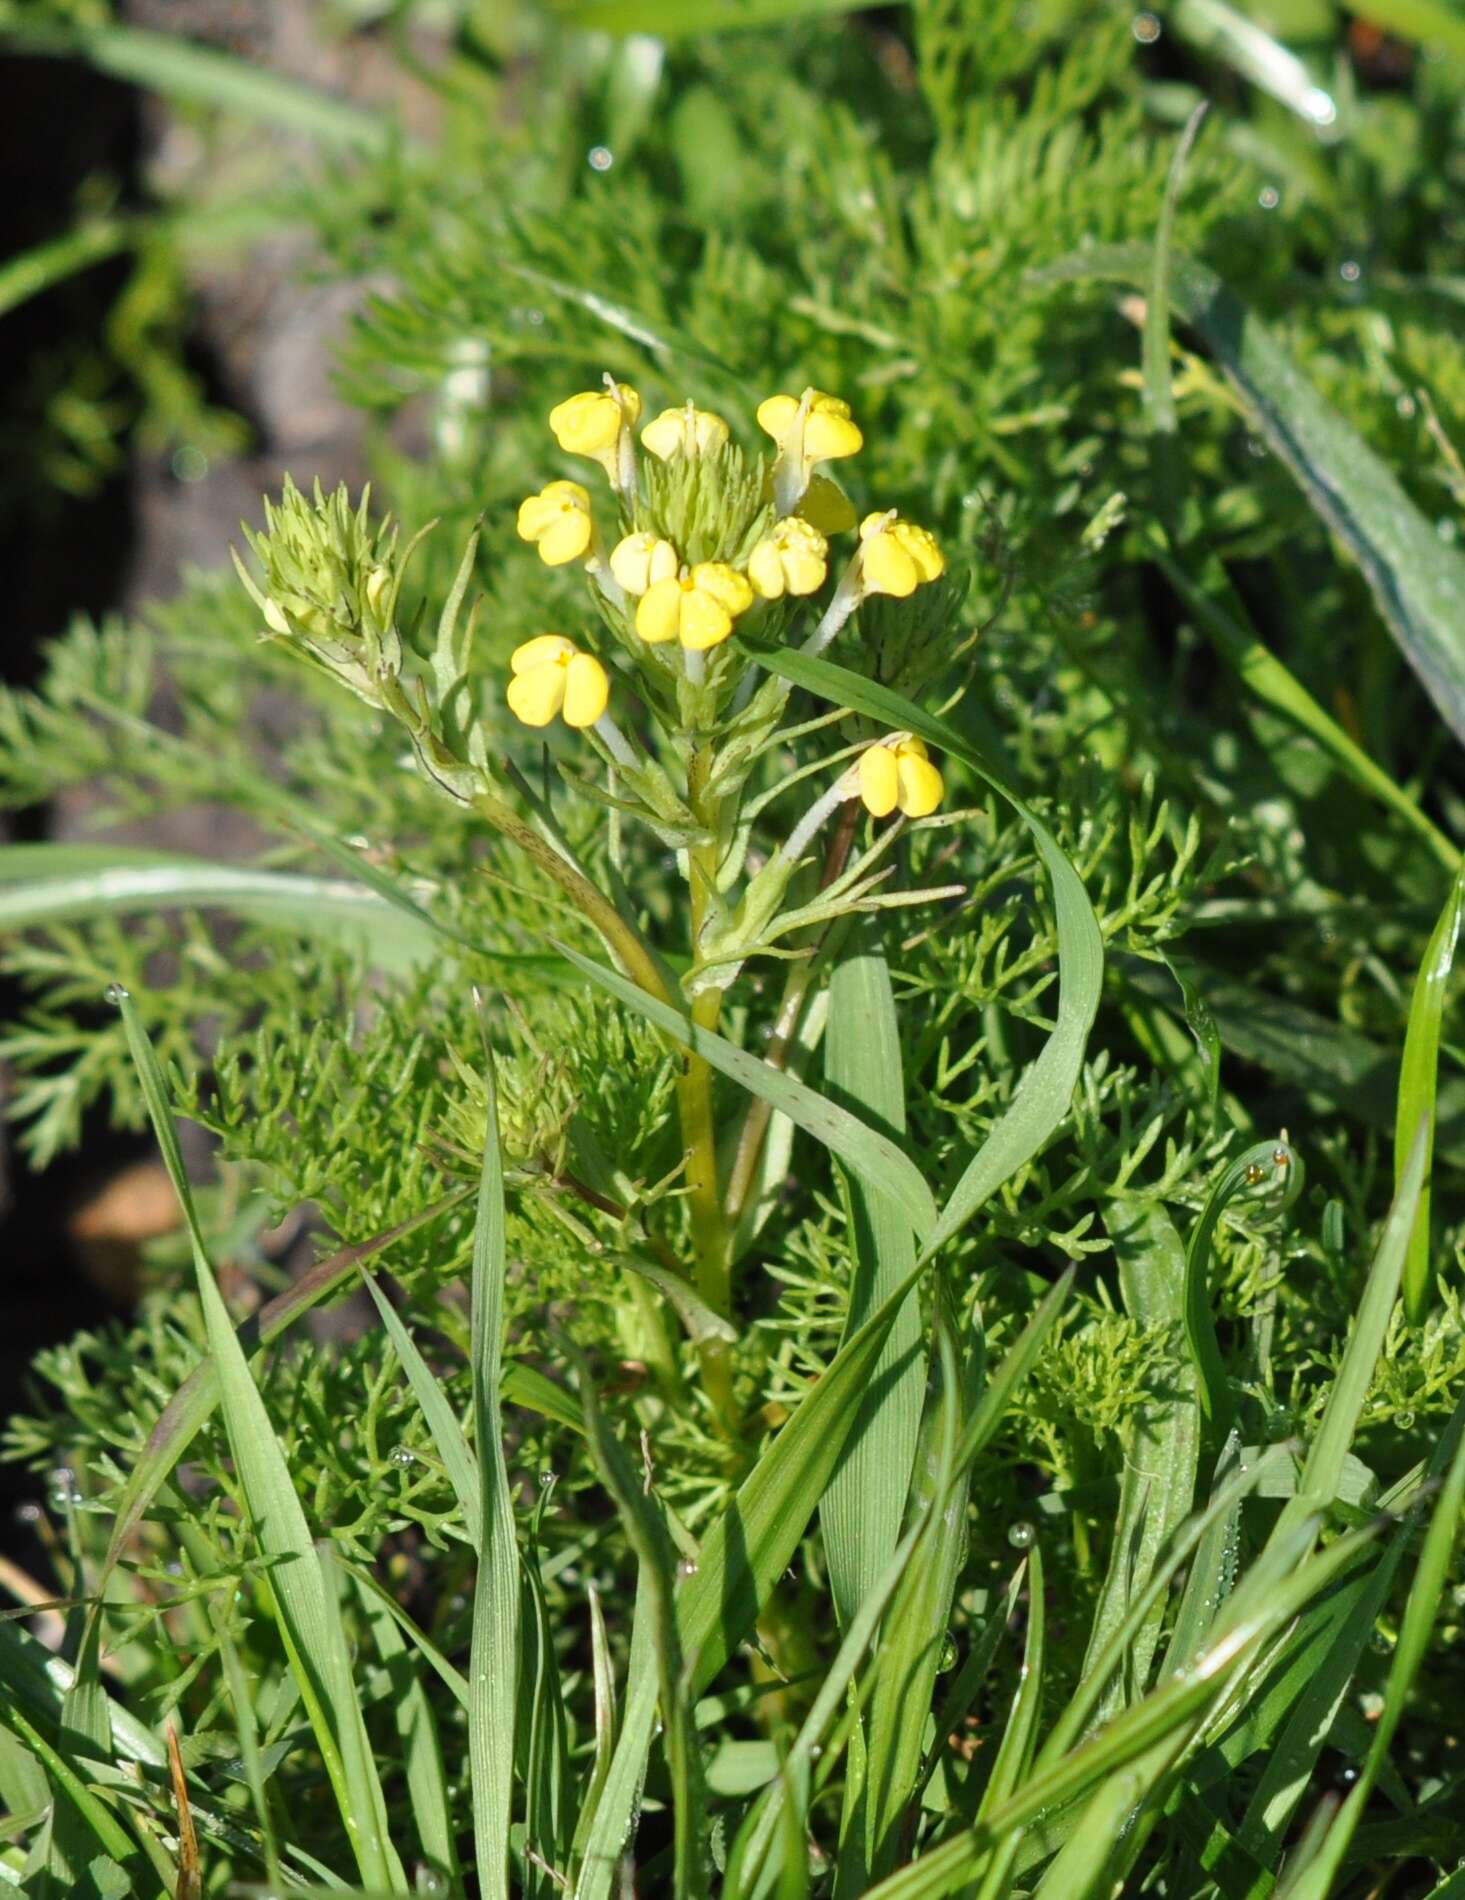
(973, 1405)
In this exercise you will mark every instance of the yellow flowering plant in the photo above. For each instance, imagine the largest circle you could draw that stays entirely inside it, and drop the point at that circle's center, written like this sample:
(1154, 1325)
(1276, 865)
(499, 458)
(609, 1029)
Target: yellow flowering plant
(715, 555)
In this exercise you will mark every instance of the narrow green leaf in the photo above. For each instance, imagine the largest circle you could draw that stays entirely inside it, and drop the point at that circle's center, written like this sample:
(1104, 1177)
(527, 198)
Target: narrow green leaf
(442, 1421)
(1417, 579)
(674, 19)
(1237, 40)
(203, 75)
(1042, 1098)
(750, 1545)
(1230, 631)
(862, 1511)
(1418, 1080)
(909, 1657)
(1322, 1472)
(298, 1585)
(1157, 1488)
(648, 1536)
(875, 1156)
(494, 1658)
(1266, 1167)
(1416, 1632)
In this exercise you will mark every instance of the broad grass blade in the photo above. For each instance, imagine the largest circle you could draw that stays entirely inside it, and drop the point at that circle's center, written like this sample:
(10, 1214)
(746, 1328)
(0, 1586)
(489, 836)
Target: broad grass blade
(1157, 1489)
(61, 883)
(909, 1656)
(494, 1657)
(861, 1512)
(648, 1536)
(442, 1421)
(1418, 1080)
(300, 1588)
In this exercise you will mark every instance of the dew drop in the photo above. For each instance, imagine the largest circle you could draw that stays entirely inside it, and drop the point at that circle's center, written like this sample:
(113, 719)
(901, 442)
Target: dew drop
(1146, 28)
(1318, 106)
(61, 1491)
(1404, 1420)
(27, 1513)
(1405, 405)
(546, 1480)
(402, 1456)
(686, 1568)
(949, 1653)
(116, 993)
(1269, 197)
(1021, 1535)
(1350, 270)
(600, 158)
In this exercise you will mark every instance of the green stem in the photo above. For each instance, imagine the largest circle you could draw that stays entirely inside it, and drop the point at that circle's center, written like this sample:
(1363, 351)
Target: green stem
(695, 1105)
(620, 937)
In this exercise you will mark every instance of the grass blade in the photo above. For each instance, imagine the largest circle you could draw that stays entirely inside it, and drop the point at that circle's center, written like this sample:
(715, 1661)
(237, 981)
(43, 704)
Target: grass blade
(1263, 1167)
(494, 1657)
(861, 1512)
(1322, 1471)
(1418, 1081)
(1316, 1881)
(648, 1536)
(299, 1587)
(202, 75)
(1157, 1489)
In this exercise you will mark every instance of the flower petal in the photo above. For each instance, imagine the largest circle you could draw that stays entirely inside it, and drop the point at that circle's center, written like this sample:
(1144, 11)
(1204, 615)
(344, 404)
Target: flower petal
(587, 690)
(543, 650)
(705, 621)
(765, 569)
(725, 584)
(921, 785)
(565, 538)
(888, 568)
(879, 780)
(660, 612)
(776, 414)
(536, 696)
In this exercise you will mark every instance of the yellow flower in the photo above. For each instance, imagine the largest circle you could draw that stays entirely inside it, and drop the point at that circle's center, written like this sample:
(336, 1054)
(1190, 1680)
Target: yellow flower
(641, 560)
(557, 520)
(597, 423)
(825, 506)
(790, 560)
(552, 675)
(896, 556)
(896, 773)
(685, 431)
(698, 609)
(823, 425)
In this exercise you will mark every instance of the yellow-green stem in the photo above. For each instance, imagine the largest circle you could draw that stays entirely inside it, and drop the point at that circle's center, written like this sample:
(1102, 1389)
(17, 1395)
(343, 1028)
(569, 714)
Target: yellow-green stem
(620, 938)
(694, 1102)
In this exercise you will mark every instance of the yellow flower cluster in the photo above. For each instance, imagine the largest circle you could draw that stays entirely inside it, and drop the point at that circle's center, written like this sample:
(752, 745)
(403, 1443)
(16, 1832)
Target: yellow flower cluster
(698, 604)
